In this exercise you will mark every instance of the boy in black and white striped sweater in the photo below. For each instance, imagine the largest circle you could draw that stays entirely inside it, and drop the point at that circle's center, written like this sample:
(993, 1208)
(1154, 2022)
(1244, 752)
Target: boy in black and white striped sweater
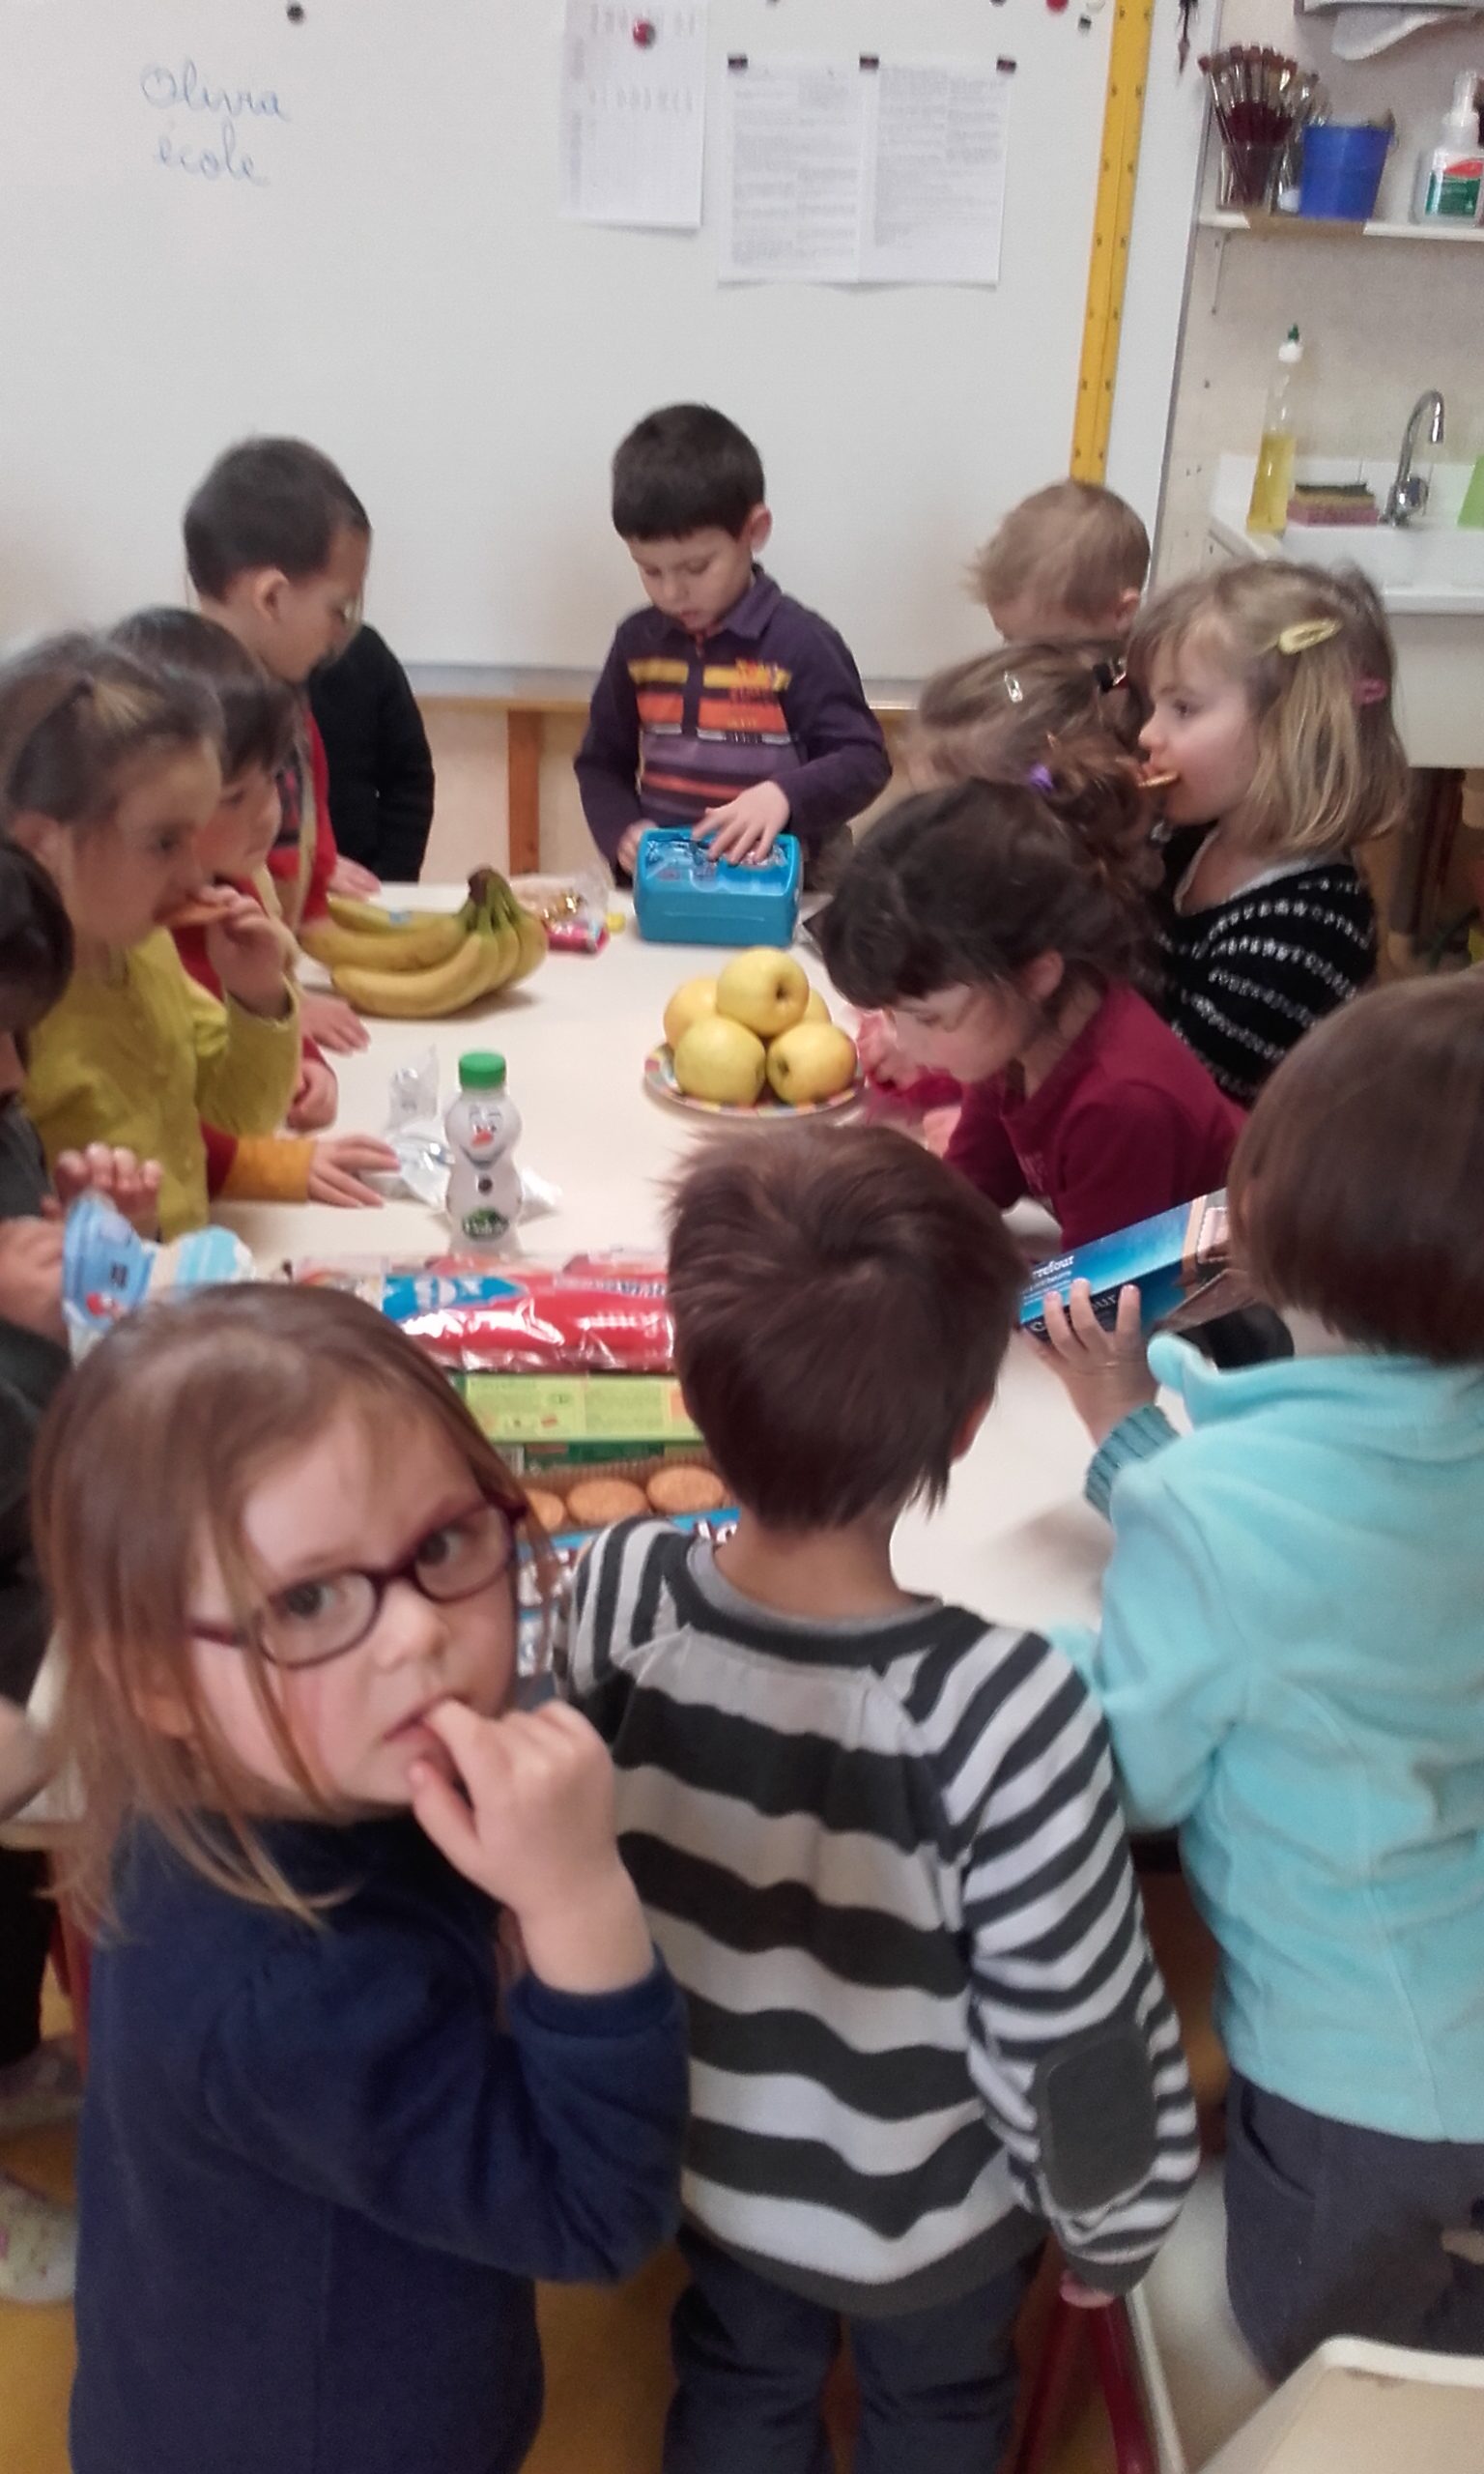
(879, 1840)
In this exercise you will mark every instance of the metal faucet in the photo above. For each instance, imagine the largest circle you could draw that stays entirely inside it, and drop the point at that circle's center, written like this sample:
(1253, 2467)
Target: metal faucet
(1407, 494)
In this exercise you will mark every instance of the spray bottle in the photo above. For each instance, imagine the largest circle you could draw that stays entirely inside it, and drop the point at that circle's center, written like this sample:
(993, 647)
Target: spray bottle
(1450, 173)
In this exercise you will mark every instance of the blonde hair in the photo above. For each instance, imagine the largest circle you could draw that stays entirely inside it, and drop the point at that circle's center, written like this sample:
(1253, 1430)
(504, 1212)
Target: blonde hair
(77, 712)
(154, 1446)
(1009, 712)
(1315, 660)
(1077, 546)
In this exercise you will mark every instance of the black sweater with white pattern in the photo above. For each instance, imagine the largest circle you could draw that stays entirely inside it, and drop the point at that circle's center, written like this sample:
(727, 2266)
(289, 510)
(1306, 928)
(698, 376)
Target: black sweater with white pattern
(1244, 979)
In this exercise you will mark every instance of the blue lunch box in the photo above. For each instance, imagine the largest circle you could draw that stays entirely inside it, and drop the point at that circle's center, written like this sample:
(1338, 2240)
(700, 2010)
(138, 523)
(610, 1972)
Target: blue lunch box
(684, 896)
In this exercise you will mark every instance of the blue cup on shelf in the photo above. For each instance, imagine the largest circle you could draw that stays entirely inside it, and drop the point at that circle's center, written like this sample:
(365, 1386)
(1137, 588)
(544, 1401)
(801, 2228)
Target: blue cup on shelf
(1342, 169)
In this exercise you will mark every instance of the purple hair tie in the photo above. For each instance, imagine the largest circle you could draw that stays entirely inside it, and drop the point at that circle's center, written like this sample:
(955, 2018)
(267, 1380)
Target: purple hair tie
(1039, 778)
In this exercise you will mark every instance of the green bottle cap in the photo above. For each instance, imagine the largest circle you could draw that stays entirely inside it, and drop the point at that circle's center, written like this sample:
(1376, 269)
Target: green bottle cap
(482, 1069)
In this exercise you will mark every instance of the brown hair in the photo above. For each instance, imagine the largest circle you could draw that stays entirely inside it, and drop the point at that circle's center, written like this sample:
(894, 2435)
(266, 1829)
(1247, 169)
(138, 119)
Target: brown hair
(1316, 662)
(74, 712)
(269, 503)
(966, 888)
(842, 1303)
(156, 1443)
(259, 714)
(36, 943)
(1078, 546)
(1011, 711)
(1357, 1186)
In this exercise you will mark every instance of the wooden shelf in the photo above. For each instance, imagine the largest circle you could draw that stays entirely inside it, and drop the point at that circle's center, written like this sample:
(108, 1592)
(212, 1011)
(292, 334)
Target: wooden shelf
(1314, 227)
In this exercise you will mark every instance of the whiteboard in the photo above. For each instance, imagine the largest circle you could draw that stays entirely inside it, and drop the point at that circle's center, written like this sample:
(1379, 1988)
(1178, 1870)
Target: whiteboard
(390, 277)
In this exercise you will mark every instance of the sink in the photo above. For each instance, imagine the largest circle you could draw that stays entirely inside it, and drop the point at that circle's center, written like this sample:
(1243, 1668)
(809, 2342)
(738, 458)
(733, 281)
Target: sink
(1429, 574)
(1429, 567)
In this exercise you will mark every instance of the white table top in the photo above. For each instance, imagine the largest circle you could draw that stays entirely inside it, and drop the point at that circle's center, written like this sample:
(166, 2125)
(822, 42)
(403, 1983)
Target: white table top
(1015, 1540)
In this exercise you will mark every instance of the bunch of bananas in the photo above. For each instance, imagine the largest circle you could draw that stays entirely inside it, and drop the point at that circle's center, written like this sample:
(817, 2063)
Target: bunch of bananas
(433, 963)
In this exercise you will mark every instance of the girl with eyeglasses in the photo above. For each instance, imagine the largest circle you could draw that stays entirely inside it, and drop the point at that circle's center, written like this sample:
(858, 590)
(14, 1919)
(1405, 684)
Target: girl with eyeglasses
(326, 2142)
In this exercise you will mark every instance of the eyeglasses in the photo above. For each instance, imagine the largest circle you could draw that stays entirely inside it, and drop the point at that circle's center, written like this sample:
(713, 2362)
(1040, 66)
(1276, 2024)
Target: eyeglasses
(318, 1618)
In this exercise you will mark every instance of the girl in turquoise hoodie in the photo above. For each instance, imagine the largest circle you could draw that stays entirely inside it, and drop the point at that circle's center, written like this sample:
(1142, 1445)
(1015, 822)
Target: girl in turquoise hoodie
(1292, 1663)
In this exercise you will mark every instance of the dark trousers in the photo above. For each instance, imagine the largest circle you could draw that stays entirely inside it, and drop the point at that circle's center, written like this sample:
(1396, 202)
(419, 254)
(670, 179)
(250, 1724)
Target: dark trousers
(1336, 2232)
(25, 1937)
(937, 2387)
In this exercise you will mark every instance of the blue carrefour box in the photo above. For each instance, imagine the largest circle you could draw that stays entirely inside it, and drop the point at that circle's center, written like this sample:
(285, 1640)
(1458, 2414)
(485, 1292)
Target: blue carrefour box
(684, 896)
(1168, 1259)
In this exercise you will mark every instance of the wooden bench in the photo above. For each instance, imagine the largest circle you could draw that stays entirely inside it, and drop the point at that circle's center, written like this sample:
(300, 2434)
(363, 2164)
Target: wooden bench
(529, 699)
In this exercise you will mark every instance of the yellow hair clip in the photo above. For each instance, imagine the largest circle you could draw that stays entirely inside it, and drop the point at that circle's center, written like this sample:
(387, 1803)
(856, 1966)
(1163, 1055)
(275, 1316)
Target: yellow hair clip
(1309, 632)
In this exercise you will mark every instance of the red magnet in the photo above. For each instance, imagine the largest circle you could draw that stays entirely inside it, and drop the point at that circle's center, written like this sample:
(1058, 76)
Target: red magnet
(645, 32)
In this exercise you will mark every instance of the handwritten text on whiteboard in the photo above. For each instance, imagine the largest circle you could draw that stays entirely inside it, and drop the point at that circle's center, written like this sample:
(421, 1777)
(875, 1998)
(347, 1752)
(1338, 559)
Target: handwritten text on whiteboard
(203, 135)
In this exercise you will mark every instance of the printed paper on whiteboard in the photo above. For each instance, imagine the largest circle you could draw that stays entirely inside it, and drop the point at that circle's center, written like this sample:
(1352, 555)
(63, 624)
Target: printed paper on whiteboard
(633, 114)
(934, 173)
(796, 136)
(864, 171)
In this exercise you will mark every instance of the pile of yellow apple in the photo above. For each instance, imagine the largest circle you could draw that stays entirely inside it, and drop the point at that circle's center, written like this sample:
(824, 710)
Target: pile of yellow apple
(760, 1021)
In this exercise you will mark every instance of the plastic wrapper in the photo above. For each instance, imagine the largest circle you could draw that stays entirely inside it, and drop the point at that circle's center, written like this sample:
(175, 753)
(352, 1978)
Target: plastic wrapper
(475, 1317)
(108, 1269)
(573, 909)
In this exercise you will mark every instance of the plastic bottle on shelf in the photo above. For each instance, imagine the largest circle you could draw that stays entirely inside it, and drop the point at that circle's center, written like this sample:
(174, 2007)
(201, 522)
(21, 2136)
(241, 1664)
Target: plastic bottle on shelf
(1450, 172)
(1272, 483)
(483, 1127)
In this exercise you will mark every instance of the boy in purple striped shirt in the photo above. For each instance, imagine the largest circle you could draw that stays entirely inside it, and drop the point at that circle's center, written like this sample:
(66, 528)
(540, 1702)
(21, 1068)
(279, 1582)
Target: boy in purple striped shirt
(724, 705)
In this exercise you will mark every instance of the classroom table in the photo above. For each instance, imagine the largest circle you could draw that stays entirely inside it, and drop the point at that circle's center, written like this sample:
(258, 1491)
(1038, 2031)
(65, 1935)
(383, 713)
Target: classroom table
(1014, 1540)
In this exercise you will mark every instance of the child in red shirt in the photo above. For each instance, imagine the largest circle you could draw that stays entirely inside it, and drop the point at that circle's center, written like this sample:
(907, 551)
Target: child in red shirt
(1002, 925)
(277, 545)
(1002, 713)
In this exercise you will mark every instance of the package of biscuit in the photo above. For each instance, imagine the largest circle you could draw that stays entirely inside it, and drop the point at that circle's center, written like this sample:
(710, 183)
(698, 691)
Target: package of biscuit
(1169, 1259)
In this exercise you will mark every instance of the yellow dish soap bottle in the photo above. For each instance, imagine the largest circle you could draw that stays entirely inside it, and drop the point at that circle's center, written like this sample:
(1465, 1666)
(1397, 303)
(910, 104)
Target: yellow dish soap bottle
(1272, 483)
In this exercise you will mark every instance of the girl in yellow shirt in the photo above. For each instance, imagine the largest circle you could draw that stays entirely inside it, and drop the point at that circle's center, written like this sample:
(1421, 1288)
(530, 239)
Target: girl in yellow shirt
(107, 774)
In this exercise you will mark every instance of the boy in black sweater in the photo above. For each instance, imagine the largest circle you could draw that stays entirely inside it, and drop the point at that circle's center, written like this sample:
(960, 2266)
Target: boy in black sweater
(381, 766)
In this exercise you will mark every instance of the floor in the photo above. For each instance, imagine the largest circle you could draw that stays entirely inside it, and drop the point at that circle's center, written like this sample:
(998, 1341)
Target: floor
(606, 2365)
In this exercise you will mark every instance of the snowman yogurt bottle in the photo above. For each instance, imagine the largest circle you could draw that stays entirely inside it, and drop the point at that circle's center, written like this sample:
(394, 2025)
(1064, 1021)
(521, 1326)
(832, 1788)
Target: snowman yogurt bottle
(483, 1127)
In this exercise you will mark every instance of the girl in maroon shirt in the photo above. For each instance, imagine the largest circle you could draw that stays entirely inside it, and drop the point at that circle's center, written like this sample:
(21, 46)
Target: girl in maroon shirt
(1002, 925)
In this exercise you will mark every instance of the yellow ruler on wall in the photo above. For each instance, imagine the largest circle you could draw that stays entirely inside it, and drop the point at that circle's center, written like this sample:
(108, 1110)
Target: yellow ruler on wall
(1107, 273)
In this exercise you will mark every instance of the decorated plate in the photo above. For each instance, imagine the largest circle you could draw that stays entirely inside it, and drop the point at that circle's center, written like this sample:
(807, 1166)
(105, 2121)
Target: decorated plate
(659, 1081)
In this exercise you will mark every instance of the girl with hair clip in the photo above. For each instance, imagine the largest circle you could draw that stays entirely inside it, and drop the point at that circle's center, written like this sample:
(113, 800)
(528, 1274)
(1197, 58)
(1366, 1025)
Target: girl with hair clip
(1270, 688)
(998, 714)
(1006, 711)
(1000, 925)
(109, 773)
(341, 2137)
(1291, 1660)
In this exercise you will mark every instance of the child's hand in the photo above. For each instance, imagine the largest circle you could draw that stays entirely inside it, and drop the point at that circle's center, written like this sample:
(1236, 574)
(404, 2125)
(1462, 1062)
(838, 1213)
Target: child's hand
(332, 1024)
(1105, 1373)
(252, 957)
(31, 1276)
(538, 1833)
(25, 1762)
(116, 1176)
(316, 1099)
(349, 876)
(1083, 2297)
(626, 856)
(746, 827)
(332, 1171)
(880, 1052)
